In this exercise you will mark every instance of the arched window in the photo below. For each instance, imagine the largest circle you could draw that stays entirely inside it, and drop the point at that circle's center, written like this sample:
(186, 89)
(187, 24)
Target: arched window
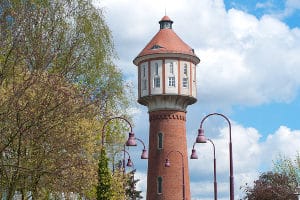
(160, 140)
(159, 185)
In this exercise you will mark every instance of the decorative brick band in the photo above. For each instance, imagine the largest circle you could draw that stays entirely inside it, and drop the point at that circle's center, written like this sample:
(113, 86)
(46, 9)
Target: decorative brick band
(160, 116)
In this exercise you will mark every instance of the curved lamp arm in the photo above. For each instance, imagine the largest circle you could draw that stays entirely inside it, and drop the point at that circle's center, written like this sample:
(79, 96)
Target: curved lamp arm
(144, 151)
(131, 139)
(219, 114)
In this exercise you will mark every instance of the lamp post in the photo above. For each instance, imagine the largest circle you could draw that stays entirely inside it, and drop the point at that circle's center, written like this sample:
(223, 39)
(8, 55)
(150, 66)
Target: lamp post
(168, 164)
(201, 137)
(195, 156)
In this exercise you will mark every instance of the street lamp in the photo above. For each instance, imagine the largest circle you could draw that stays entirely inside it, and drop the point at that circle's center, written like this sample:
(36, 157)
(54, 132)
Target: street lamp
(144, 151)
(144, 154)
(131, 139)
(168, 164)
(129, 161)
(195, 156)
(201, 137)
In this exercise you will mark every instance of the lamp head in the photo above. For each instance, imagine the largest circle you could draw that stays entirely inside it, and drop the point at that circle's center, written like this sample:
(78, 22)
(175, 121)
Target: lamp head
(129, 163)
(194, 154)
(201, 137)
(167, 163)
(144, 154)
(131, 140)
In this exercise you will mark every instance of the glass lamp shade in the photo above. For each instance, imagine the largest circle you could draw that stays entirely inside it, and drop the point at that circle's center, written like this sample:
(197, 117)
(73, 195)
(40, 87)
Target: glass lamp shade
(167, 163)
(201, 137)
(144, 154)
(129, 163)
(194, 154)
(131, 140)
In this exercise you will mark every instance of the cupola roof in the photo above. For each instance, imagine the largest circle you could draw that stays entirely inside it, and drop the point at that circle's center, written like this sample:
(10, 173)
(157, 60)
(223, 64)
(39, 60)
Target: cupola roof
(166, 41)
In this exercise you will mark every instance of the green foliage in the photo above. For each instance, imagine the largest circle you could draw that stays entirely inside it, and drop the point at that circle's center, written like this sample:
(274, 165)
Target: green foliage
(289, 167)
(58, 85)
(104, 187)
(131, 192)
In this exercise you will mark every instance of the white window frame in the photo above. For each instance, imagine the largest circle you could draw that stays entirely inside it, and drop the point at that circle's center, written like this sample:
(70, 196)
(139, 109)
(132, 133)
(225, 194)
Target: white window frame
(171, 81)
(156, 82)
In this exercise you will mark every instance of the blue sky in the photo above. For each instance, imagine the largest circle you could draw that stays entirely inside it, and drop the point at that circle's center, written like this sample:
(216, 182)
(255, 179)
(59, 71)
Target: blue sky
(249, 71)
(286, 113)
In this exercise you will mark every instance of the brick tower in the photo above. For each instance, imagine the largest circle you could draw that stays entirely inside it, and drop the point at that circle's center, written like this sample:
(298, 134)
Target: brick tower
(167, 85)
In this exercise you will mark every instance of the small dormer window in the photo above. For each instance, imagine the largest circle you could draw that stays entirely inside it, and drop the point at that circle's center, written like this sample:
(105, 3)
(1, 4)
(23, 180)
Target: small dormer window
(156, 46)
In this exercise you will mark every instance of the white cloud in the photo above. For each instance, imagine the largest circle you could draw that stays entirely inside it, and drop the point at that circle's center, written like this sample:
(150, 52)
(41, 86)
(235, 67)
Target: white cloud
(284, 141)
(244, 60)
(142, 183)
(256, 64)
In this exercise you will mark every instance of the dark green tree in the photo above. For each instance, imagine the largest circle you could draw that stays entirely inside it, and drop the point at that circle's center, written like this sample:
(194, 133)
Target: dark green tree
(131, 192)
(104, 187)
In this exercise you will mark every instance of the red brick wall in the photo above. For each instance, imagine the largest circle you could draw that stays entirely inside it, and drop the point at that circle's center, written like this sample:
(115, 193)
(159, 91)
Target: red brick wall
(173, 126)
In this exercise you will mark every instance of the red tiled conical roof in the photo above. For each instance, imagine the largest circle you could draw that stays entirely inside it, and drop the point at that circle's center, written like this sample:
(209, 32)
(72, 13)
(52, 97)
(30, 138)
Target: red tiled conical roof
(166, 41)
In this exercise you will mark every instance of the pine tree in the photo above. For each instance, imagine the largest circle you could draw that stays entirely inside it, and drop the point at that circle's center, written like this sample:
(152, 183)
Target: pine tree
(131, 191)
(104, 187)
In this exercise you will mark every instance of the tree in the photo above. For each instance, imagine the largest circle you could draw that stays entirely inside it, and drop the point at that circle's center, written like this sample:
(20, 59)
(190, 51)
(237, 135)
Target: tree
(271, 186)
(131, 191)
(48, 138)
(104, 187)
(289, 167)
(58, 85)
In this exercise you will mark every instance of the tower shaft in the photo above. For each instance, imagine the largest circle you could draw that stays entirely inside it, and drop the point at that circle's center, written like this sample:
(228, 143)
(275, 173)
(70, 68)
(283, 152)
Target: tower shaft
(167, 134)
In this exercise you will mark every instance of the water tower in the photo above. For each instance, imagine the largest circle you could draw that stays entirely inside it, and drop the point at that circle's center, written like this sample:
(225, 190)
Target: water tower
(167, 85)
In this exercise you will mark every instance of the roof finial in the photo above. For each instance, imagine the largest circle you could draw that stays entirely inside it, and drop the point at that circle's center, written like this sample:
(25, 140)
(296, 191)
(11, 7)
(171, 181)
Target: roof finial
(165, 11)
